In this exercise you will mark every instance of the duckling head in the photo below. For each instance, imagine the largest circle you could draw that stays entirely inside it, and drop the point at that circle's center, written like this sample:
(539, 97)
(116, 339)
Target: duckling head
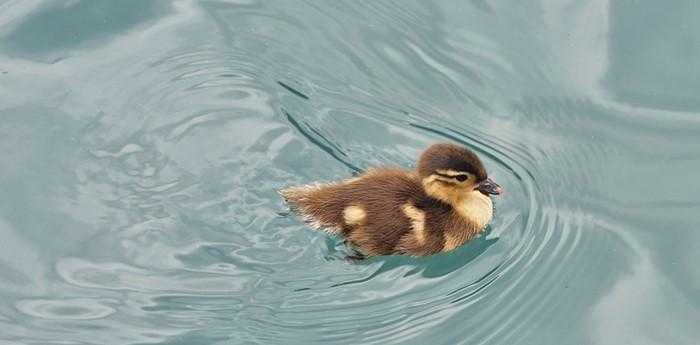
(450, 172)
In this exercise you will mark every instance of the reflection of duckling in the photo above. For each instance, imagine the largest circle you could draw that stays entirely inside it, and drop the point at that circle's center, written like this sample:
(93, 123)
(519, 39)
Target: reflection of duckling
(438, 207)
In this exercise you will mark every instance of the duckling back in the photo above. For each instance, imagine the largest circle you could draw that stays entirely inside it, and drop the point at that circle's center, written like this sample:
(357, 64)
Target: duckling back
(381, 212)
(336, 206)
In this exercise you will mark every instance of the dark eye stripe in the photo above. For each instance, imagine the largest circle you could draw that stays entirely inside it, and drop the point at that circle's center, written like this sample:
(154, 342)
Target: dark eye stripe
(462, 178)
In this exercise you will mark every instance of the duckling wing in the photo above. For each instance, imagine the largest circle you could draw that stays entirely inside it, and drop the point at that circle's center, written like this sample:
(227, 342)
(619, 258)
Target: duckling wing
(381, 212)
(335, 205)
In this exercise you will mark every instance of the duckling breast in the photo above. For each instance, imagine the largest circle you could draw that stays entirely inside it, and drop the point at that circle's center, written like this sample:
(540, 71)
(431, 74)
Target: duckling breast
(477, 208)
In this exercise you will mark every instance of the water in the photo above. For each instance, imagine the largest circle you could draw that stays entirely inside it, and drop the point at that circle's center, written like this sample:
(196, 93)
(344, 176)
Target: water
(143, 143)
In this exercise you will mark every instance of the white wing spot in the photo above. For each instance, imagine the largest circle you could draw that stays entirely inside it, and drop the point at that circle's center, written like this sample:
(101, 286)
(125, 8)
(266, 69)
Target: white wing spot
(417, 218)
(354, 215)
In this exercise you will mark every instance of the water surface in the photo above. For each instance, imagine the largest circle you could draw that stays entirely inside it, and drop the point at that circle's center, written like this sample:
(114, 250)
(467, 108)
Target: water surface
(143, 143)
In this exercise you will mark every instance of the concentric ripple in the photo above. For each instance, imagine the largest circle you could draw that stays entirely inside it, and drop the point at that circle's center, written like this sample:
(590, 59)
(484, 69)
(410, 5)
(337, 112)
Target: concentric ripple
(146, 158)
(75, 309)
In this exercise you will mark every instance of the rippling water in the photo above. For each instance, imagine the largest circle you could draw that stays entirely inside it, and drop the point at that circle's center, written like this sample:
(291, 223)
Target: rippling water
(143, 143)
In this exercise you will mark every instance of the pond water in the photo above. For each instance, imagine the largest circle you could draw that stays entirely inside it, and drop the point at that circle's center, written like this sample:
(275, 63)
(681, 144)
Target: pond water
(143, 143)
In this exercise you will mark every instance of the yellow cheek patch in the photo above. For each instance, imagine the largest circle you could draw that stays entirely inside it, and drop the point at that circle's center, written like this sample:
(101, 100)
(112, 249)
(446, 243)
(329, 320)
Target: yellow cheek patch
(450, 192)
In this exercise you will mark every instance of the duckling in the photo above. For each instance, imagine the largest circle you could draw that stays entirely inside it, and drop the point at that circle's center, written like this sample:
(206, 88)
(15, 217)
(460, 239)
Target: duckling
(439, 206)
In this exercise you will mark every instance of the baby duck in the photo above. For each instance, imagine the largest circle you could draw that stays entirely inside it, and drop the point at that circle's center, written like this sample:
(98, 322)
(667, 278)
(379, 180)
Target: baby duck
(436, 208)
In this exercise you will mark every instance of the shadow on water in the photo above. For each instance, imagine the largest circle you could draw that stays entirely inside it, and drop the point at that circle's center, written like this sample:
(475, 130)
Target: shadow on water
(428, 267)
(55, 28)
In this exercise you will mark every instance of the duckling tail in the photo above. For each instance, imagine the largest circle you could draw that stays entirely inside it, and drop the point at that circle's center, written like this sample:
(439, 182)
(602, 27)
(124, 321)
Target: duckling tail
(295, 197)
(312, 204)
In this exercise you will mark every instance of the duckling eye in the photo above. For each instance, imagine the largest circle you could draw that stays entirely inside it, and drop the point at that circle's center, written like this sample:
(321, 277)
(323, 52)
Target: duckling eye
(462, 178)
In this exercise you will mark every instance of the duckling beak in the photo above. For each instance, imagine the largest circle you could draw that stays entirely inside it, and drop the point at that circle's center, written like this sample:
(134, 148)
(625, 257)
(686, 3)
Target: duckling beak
(489, 187)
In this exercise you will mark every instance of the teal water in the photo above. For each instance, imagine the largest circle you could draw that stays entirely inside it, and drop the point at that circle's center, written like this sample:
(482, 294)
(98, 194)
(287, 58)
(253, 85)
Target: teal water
(143, 143)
